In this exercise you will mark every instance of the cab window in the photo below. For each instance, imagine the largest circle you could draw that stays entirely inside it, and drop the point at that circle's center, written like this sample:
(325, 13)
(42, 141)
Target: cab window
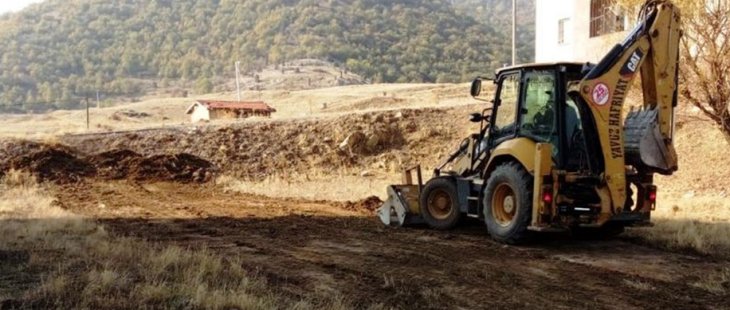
(538, 113)
(573, 126)
(506, 116)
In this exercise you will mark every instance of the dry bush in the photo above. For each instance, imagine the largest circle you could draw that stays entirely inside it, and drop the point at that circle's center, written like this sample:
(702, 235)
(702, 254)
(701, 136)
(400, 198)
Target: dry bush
(22, 198)
(701, 224)
(73, 263)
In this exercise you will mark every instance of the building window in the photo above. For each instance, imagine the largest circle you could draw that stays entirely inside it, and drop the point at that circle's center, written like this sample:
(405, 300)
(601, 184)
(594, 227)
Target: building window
(562, 24)
(605, 18)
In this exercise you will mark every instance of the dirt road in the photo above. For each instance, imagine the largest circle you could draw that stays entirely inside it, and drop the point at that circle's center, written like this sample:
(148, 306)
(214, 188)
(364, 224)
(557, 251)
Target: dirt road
(301, 247)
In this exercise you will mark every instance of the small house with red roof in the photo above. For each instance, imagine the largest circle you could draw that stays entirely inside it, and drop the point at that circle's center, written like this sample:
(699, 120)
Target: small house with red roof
(207, 110)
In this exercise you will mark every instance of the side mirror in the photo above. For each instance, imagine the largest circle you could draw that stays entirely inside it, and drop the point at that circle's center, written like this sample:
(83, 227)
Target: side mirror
(476, 87)
(476, 118)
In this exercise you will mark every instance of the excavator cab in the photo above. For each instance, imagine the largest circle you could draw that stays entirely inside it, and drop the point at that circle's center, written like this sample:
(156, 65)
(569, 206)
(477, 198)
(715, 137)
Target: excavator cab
(555, 150)
(531, 102)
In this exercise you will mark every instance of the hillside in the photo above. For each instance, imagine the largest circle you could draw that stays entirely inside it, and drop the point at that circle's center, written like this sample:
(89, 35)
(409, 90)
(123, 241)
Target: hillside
(498, 14)
(60, 52)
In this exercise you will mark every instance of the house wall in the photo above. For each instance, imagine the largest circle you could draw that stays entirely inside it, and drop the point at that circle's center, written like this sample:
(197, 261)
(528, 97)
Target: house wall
(578, 45)
(200, 113)
(547, 14)
(222, 114)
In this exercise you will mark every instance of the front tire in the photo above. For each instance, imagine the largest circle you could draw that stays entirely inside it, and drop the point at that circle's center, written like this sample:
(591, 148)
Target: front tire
(440, 204)
(508, 204)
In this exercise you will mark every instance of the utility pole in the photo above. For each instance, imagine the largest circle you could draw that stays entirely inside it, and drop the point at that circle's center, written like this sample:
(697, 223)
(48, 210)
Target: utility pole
(98, 102)
(238, 80)
(88, 126)
(514, 32)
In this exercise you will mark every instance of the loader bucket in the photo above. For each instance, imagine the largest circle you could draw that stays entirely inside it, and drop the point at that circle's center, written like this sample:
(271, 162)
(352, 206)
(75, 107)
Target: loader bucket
(401, 208)
(645, 146)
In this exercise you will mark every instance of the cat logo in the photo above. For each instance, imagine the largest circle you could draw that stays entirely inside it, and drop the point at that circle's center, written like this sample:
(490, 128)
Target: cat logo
(632, 64)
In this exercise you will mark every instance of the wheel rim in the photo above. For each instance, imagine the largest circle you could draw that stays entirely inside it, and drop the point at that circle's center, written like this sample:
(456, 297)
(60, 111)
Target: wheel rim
(504, 204)
(439, 204)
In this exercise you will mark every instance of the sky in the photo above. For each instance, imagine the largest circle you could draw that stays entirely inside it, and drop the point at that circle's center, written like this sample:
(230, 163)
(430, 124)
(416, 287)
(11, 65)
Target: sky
(14, 5)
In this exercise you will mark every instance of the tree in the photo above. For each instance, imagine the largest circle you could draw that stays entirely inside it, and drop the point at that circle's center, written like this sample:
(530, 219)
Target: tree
(203, 86)
(705, 56)
(56, 52)
(706, 59)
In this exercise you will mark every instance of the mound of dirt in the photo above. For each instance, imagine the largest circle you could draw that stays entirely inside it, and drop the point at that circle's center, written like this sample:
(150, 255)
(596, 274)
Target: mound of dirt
(127, 113)
(124, 163)
(61, 164)
(387, 140)
(371, 203)
(380, 137)
(115, 164)
(178, 167)
(53, 164)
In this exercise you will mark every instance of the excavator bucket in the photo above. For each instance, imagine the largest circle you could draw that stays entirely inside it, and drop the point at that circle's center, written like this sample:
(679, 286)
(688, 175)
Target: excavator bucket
(645, 145)
(402, 206)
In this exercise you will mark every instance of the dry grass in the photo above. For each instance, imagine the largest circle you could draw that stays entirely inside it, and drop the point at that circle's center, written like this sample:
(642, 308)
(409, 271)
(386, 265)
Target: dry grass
(638, 285)
(71, 262)
(125, 273)
(341, 187)
(700, 223)
(717, 282)
(22, 199)
(166, 112)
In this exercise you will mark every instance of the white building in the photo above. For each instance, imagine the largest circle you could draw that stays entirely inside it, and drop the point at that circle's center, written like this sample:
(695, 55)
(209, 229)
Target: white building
(207, 110)
(577, 30)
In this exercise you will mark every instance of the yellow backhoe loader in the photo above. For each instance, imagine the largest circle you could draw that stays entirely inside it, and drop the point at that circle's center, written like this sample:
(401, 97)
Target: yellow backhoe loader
(555, 151)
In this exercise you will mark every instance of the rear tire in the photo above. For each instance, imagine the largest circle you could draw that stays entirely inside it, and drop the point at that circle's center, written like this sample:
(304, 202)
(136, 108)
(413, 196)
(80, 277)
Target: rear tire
(508, 204)
(440, 204)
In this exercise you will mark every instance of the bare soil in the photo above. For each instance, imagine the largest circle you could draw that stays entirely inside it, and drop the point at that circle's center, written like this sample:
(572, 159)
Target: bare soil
(62, 164)
(47, 162)
(304, 246)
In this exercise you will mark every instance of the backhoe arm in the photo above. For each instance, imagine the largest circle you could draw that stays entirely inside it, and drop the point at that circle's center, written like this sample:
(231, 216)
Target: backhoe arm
(660, 70)
(645, 141)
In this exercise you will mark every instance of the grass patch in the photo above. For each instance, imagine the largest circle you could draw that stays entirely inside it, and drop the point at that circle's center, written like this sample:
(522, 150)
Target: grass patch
(701, 224)
(75, 264)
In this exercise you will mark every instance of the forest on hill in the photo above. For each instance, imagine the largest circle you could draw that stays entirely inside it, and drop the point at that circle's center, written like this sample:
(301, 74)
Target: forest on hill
(58, 53)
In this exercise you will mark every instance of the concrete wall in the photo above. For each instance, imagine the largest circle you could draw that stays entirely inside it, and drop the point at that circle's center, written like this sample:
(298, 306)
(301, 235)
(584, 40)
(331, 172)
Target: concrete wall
(548, 13)
(578, 45)
(200, 113)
